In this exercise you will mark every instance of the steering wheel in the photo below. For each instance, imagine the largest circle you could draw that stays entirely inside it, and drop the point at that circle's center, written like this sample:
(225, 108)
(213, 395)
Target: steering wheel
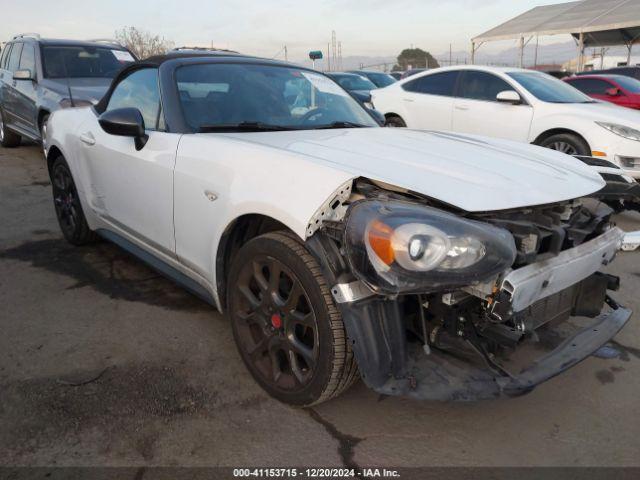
(313, 113)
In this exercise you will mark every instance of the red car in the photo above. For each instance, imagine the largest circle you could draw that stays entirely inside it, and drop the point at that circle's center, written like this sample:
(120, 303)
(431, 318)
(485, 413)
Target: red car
(618, 89)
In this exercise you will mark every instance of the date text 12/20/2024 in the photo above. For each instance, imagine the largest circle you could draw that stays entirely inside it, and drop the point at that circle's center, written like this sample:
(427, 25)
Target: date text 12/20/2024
(315, 473)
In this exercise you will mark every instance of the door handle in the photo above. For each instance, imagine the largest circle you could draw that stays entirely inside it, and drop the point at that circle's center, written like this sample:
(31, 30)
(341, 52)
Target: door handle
(408, 99)
(462, 107)
(87, 138)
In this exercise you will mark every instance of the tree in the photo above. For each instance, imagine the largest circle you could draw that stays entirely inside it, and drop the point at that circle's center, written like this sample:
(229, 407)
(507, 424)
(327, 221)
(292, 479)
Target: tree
(142, 43)
(416, 58)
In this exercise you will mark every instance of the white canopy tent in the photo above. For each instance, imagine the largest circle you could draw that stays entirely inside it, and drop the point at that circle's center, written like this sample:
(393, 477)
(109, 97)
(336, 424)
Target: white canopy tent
(592, 23)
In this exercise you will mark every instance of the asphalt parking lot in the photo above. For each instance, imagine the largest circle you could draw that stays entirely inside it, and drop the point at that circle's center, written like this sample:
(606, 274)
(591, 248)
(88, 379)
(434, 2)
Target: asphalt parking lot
(104, 362)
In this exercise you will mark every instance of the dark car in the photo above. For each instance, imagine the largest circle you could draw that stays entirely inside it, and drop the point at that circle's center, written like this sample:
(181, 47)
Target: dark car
(380, 79)
(411, 72)
(618, 89)
(357, 85)
(39, 76)
(633, 72)
(396, 75)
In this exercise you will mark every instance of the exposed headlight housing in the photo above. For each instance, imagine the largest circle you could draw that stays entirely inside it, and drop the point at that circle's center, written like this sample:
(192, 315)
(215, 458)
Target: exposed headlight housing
(400, 247)
(621, 130)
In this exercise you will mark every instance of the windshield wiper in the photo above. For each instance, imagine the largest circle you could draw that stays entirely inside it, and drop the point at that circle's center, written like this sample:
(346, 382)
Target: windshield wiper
(339, 125)
(242, 127)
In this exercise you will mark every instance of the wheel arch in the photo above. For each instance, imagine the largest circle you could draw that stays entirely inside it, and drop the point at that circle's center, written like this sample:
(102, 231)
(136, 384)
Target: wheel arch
(53, 153)
(556, 131)
(237, 233)
(42, 112)
(393, 114)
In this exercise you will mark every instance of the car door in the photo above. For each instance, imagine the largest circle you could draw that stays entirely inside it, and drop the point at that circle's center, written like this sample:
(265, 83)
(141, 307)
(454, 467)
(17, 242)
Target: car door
(25, 92)
(595, 88)
(428, 100)
(476, 109)
(9, 93)
(133, 189)
(5, 77)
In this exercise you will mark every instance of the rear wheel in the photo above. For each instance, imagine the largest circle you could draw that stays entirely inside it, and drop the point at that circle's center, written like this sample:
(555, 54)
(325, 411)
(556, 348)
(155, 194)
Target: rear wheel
(67, 204)
(8, 139)
(395, 122)
(567, 143)
(286, 326)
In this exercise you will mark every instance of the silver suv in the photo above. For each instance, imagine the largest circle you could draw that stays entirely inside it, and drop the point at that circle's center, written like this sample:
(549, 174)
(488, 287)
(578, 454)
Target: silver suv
(39, 76)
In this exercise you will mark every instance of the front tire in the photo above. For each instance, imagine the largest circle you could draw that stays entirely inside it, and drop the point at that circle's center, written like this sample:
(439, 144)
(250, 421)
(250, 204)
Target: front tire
(567, 143)
(67, 205)
(287, 328)
(395, 122)
(8, 139)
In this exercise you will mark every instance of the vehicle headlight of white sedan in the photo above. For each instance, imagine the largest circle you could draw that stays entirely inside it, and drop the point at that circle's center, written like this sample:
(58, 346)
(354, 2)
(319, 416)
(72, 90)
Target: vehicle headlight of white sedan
(423, 262)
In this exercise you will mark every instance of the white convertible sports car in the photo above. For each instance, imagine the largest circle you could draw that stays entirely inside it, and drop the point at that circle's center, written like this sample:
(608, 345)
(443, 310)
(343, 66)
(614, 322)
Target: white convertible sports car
(514, 104)
(433, 265)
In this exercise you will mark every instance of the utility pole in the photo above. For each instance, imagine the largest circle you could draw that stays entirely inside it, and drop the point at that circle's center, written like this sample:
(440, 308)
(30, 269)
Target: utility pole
(339, 55)
(450, 55)
(334, 49)
(535, 56)
(328, 57)
(286, 56)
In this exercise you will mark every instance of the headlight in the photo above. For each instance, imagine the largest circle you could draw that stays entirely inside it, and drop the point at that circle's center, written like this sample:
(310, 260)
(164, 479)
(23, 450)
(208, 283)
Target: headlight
(626, 132)
(67, 103)
(399, 247)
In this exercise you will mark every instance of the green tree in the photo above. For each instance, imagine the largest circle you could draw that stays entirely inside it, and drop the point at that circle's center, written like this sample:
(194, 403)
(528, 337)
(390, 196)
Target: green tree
(416, 58)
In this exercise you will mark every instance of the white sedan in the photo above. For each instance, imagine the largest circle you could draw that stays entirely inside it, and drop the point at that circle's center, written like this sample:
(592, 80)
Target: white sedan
(337, 248)
(514, 104)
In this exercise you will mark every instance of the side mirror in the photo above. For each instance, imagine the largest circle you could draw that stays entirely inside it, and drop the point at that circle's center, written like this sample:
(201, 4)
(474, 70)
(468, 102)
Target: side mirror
(378, 116)
(125, 122)
(23, 75)
(509, 96)
(612, 92)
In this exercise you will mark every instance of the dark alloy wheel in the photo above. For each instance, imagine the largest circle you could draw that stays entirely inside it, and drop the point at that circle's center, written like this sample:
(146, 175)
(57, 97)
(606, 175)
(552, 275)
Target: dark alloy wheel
(67, 204)
(286, 327)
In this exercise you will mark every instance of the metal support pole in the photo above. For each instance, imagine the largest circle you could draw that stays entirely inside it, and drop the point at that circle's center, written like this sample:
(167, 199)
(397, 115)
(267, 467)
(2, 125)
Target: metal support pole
(581, 53)
(473, 53)
(629, 47)
(521, 62)
(535, 56)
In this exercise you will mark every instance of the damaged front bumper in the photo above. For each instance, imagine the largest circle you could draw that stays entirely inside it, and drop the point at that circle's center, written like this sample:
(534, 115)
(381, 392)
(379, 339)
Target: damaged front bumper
(447, 363)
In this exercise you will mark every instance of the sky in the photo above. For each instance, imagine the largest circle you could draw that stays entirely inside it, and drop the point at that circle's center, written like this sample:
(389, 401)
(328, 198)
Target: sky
(263, 27)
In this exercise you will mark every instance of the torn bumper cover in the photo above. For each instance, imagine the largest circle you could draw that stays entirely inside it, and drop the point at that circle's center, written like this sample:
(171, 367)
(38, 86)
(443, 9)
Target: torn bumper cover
(391, 366)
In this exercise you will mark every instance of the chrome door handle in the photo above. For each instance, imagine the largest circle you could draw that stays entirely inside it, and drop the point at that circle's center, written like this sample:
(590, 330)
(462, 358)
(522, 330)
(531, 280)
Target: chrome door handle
(462, 107)
(87, 138)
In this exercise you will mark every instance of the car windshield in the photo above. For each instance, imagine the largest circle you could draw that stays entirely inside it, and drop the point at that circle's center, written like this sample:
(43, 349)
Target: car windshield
(381, 79)
(549, 89)
(75, 61)
(354, 82)
(629, 84)
(252, 97)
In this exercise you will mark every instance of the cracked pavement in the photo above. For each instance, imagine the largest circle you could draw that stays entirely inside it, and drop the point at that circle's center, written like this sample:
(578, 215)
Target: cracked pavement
(104, 362)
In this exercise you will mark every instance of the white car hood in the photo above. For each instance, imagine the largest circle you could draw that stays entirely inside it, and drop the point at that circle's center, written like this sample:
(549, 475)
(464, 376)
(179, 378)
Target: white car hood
(469, 172)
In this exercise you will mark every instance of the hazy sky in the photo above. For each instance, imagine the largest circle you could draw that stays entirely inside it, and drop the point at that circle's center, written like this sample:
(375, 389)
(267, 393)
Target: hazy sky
(262, 27)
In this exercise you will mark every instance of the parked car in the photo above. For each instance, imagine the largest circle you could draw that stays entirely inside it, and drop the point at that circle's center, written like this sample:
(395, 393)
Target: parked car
(39, 76)
(357, 85)
(411, 72)
(633, 72)
(425, 262)
(396, 75)
(618, 89)
(379, 79)
(514, 104)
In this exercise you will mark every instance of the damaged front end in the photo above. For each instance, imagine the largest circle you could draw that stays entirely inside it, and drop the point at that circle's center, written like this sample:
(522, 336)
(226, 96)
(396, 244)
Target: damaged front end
(449, 305)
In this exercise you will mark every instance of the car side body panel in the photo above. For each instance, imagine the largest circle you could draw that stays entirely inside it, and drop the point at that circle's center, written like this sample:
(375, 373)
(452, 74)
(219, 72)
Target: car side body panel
(219, 179)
